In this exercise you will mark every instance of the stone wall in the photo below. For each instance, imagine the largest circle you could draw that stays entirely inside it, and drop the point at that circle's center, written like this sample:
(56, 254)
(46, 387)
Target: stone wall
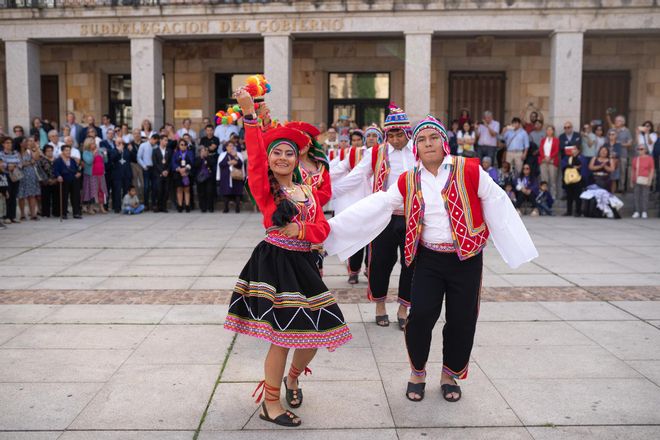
(525, 61)
(641, 56)
(314, 60)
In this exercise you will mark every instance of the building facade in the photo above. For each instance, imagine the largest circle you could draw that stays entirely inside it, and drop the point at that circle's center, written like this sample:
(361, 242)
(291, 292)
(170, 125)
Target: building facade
(168, 60)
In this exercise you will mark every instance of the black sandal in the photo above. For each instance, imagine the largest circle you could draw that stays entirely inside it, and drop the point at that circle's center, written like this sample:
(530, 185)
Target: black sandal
(402, 323)
(382, 320)
(285, 419)
(415, 388)
(293, 395)
(448, 389)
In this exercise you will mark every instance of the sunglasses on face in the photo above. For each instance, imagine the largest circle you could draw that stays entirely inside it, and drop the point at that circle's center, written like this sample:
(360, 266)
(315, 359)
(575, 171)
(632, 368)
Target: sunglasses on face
(568, 127)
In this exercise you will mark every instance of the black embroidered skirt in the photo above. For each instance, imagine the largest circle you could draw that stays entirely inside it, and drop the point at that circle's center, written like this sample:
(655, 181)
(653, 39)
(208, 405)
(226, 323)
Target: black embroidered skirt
(280, 297)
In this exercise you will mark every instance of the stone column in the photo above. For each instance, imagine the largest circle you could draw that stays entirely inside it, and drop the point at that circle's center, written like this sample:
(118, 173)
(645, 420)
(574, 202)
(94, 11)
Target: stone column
(566, 78)
(417, 82)
(23, 83)
(278, 59)
(146, 77)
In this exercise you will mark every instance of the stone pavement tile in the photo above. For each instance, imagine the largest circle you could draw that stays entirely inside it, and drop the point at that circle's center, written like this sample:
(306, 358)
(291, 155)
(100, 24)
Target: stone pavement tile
(8, 331)
(150, 397)
(161, 271)
(122, 255)
(64, 283)
(582, 401)
(480, 405)
(184, 344)
(302, 434)
(126, 435)
(514, 311)
(146, 283)
(49, 255)
(628, 340)
(535, 280)
(174, 254)
(245, 363)
(587, 311)
(81, 336)
(368, 407)
(497, 265)
(489, 433)
(31, 270)
(169, 260)
(389, 345)
(577, 264)
(528, 333)
(196, 314)
(93, 268)
(649, 369)
(655, 323)
(546, 362)
(642, 309)
(107, 314)
(57, 365)
(224, 268)
(638, 264)
(210, 283)
(9, 282)
(25, 313)
(613, 279)
(490, 280)
(351, 313)
(30, 435)
(43, 406)
(231, 407)
(8, 252)
(595, 433)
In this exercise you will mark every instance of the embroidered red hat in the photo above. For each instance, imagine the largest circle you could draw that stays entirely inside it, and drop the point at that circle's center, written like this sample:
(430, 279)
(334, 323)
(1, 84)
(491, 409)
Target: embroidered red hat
(305, 127)
(285, 135)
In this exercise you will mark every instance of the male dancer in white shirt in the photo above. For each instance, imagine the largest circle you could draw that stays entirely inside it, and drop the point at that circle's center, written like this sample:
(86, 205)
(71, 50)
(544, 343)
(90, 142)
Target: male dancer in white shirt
(385, 163)
(451, 208)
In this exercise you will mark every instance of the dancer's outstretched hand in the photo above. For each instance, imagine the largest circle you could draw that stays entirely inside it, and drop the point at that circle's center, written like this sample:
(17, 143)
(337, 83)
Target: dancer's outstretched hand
(245, 101)
(291, 230)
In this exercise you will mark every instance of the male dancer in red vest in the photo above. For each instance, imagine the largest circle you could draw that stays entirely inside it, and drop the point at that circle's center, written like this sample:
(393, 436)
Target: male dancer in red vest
(385, 163)
(451, 207)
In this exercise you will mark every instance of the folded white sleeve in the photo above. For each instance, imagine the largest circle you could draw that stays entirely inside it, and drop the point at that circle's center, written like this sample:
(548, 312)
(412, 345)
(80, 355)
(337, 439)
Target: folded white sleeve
(359, 224)
(507, 230)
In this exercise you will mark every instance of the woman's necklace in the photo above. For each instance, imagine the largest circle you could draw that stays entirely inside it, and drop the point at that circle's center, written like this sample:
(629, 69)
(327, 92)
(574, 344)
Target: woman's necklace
(290, 190)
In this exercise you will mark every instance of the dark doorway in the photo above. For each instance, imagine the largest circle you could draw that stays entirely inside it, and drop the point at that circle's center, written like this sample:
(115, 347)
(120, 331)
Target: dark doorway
(477, 92)
(602, 90)
(50, 98)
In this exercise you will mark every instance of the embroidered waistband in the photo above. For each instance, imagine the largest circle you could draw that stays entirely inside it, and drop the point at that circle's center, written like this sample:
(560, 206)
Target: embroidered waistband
(399, 212)
(291, 244)
(439, 247)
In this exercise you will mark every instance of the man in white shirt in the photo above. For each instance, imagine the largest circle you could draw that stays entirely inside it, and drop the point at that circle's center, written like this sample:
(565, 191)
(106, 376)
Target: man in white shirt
(187, 130)
(385, 163)
(105, 125)
(451, 207)
(487, 132)
(224, 131)
(54, 141)
(145, 160)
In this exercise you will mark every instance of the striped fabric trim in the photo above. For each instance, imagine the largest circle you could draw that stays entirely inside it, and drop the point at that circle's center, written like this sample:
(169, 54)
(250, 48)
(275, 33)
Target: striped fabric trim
(330, 339)
(456, 375)
(439, 247)
(290, 244)
(284, 299)
(418, 373)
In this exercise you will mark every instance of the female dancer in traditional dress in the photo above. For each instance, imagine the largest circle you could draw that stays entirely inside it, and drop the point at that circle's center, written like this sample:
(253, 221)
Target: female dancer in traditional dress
(280, 296)
(451, 207)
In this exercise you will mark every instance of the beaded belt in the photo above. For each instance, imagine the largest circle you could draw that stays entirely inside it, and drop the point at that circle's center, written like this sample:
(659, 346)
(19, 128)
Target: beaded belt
(399, 212)
(291, 244)
(447, 248)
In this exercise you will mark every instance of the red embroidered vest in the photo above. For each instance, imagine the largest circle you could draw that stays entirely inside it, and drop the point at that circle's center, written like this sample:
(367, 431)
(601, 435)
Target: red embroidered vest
(311, 179)
(468, 228)
(380, 165)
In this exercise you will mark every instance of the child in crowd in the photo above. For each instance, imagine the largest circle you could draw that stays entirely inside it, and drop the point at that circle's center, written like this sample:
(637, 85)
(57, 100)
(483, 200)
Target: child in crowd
(508, 189)
(4, 191)
(487, 165)
(131, 203)
(544, 199)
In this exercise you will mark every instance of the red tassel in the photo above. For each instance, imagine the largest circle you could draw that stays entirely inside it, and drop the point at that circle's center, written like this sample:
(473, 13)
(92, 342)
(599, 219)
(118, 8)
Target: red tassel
(262, 386)
(308, 371)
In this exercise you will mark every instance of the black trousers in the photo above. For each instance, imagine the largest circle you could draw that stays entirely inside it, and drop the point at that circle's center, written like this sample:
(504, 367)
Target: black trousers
(573, 197)
(12, 194)
(437, 276)
(206, 194)
(383, 256)
(355, 262)
(111, 192)
(71, 191)
(50, 200)
(119, 190)
(159, 192)
(232, 198)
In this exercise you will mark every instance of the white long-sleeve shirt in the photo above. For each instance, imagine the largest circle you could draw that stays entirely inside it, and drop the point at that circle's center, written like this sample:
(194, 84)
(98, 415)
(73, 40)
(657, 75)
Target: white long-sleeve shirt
(400, 162)
(359, 224)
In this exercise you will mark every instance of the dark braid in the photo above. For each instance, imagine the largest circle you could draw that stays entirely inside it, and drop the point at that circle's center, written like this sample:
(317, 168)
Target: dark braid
(286, 210)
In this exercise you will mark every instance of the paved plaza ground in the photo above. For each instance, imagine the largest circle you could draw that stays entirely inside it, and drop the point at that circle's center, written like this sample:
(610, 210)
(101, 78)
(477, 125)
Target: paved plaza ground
(111, 328)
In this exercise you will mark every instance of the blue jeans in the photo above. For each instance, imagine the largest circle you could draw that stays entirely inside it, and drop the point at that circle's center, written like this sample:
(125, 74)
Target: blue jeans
(132, 211)
(146, 196)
